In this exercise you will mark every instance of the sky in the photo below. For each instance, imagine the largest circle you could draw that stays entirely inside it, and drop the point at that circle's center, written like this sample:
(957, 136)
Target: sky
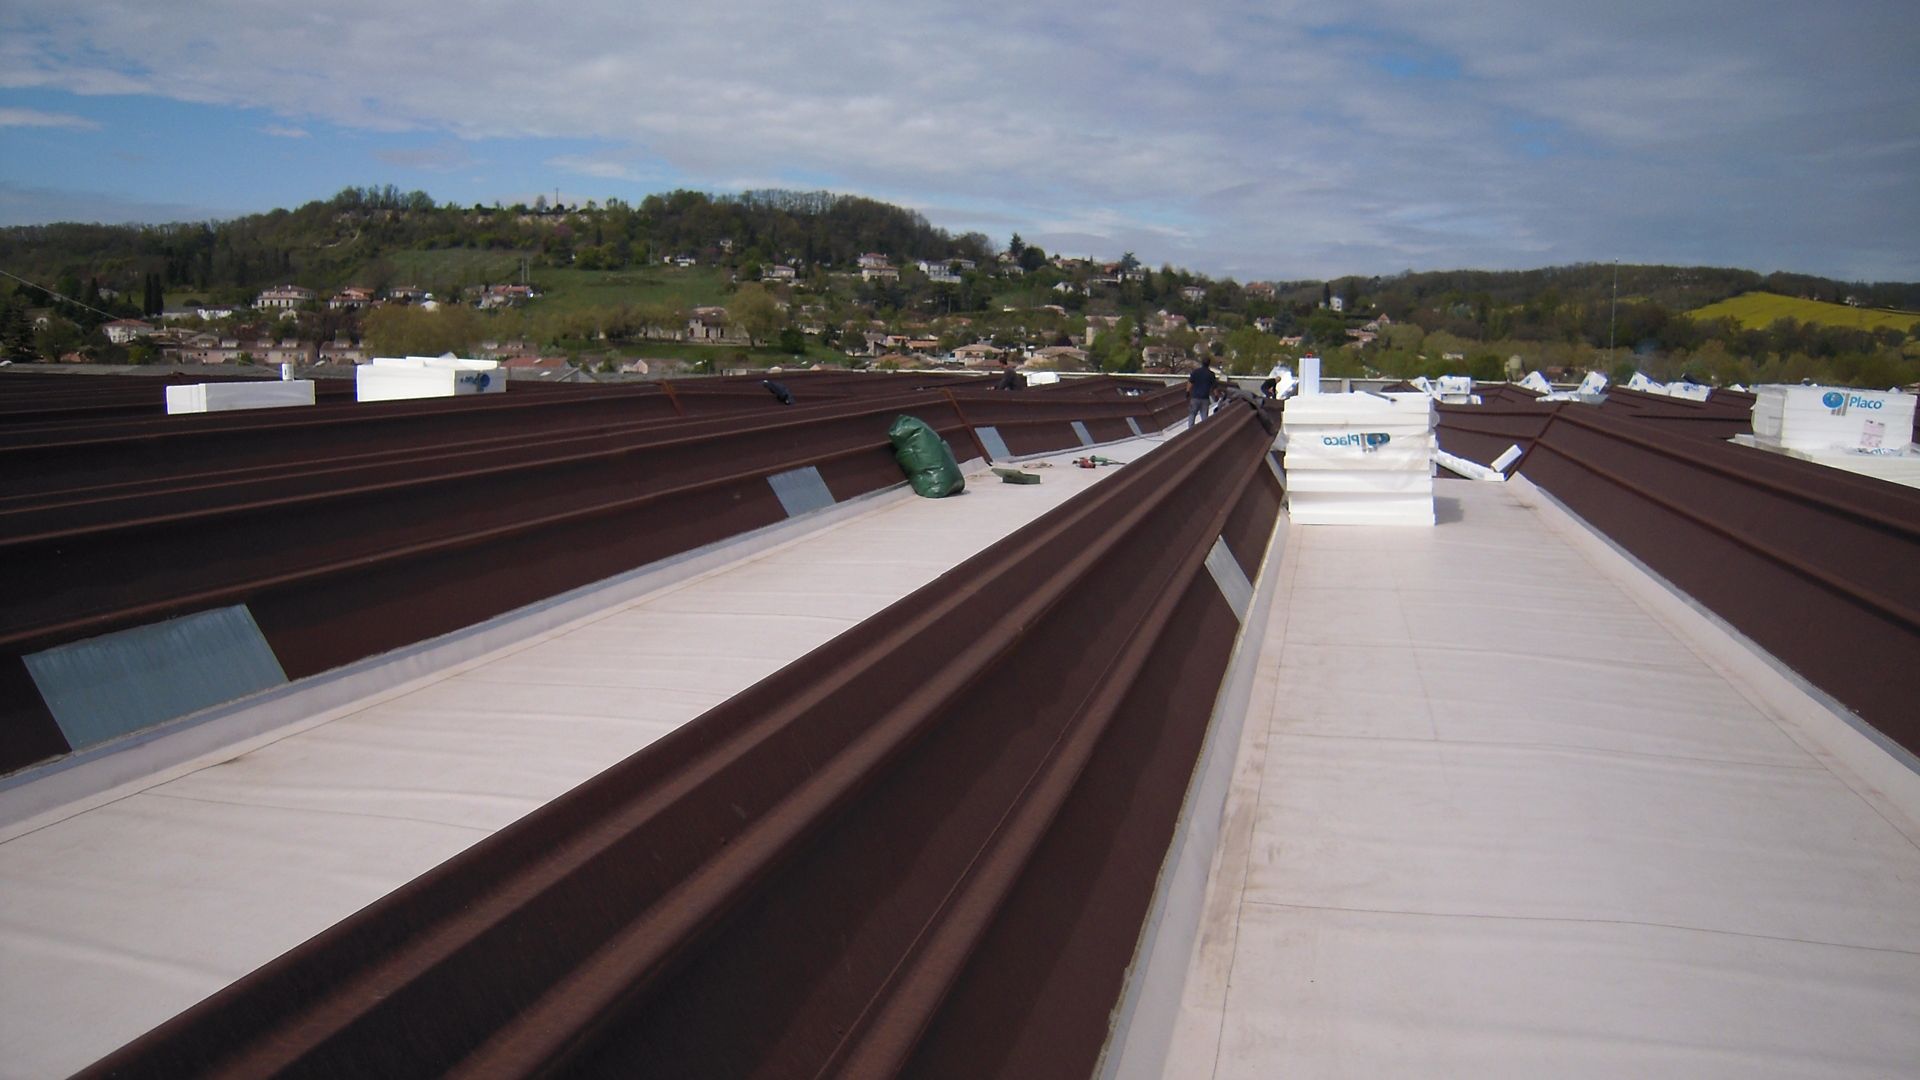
(1282, 140)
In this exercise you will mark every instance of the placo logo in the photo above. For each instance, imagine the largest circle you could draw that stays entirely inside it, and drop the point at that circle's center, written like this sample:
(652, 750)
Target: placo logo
(1840, 402)
(1368, 441)
(479, 380)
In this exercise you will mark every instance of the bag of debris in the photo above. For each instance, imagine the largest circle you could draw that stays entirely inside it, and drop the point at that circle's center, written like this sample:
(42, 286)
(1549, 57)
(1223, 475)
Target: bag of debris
(926, 458)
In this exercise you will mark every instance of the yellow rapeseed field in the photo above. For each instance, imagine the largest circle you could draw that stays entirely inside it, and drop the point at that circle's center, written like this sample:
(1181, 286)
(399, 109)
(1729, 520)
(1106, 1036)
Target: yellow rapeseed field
(1759, 310)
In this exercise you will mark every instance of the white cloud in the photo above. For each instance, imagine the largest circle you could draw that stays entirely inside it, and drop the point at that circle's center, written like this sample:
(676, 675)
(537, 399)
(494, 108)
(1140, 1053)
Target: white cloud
(35, 118)
(1263, 140)
(283, 131)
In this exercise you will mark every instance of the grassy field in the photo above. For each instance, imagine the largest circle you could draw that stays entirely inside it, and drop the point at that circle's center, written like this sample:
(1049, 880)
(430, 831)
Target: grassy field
(562, 290)
(448, 268)
(1759, 310)
(577, 290)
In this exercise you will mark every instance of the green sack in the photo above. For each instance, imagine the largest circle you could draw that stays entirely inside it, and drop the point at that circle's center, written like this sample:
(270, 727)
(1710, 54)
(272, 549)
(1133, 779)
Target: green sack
(926, 457)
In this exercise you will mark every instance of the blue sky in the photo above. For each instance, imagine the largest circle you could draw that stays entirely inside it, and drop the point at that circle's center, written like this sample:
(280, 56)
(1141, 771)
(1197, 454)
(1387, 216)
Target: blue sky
(1261, 140)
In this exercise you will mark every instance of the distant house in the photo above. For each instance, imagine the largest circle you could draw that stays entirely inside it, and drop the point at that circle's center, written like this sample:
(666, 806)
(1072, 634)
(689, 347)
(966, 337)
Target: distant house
(121, 331)
(939, 272)
(544, 367)
(977, 355)
(1261, 290)
(1193, 294)
(777, 272)
(351, 298)
(500, 296)
(1060, 358)
(285, 298)
(707, 324)
(1265, 324)
(874, 261)
(1337, 303)
(342, 353)
(1067, 288)
(879, 273)
(408, 294)
(1161, 357)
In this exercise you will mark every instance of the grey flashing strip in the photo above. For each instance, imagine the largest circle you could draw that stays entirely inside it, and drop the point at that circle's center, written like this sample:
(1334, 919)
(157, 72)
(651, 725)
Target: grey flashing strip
(1231, 579)
(1080, 429)
(108, 686)
(1135, 425)
(996, 446)
(801, 491)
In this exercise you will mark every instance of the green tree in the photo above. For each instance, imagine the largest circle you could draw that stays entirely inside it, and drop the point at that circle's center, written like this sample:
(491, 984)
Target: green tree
(1113, 350)
(1251, 352)
(755, 311)
(56, 339)
(16, 334)
(409, 331)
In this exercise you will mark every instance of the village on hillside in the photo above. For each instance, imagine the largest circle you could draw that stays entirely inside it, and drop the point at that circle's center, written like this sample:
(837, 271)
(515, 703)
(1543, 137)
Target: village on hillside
(689, 283)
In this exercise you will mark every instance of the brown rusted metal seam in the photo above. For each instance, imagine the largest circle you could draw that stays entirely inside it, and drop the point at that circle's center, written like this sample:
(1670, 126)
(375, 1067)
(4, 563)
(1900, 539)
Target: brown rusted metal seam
(978, 444)
(1806, 495)
(543, 1035)
(316, 501)
(533, 1044)
(881, 1041)
(240, 591)
(1888, 609)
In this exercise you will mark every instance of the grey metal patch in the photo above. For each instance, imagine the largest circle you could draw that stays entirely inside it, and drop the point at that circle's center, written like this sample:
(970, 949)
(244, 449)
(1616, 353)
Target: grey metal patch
(801, 491)
(1080, 429)
(996, 446)
(121, 682)
(1231, 579)
(1135, 425)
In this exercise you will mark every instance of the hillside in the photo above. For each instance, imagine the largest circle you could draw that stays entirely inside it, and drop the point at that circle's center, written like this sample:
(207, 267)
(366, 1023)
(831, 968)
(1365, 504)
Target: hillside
(1759, 310)
(612, 282)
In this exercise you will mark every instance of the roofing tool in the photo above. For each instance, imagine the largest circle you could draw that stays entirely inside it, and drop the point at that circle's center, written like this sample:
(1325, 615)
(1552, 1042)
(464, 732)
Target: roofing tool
(1014, 476)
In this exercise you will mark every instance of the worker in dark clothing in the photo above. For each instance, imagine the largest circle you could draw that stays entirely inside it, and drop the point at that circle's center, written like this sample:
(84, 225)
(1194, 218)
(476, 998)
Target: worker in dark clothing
(1010, 378)
(1200, 384)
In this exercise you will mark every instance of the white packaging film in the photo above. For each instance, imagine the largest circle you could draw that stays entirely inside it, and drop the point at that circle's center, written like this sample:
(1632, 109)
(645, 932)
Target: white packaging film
(391, 378)
(1833, 418)
(226, 396)
(1360, 459)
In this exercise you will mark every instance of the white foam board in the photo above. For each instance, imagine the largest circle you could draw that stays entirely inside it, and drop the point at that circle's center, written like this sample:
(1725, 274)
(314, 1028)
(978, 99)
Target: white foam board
(226, 396)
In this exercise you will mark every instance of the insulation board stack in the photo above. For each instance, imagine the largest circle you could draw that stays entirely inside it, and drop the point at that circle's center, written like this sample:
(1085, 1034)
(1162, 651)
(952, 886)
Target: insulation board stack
(1832, 418)
(1360, 459)
(224, 396)
(392, 378)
